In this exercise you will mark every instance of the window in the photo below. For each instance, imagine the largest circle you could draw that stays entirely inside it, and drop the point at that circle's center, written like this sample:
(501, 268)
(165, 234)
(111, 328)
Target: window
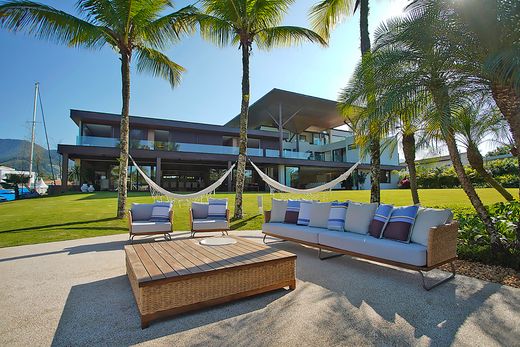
(386, 176)
(338, 155)
(291, 176)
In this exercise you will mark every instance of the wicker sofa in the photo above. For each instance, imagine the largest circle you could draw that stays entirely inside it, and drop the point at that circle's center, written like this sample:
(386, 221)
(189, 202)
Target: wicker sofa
(140, 222)
(441, 246)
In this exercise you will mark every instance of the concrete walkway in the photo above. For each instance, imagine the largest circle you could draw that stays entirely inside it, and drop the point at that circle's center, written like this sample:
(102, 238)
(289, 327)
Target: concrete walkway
(76, 293)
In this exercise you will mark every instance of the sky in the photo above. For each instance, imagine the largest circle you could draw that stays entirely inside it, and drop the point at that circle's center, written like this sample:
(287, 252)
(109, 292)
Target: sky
(210, 92)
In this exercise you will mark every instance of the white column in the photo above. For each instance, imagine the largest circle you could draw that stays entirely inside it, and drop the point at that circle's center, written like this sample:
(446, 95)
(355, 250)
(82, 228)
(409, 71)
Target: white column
(281, 174)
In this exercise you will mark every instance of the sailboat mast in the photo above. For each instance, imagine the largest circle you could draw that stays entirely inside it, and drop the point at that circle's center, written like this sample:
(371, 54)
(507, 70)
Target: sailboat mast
(33, 133)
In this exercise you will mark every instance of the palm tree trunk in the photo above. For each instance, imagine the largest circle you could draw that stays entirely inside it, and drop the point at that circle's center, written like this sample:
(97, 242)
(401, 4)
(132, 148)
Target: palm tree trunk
(242, 149)
(409, 157)
(124, 131)
(477, 162)
(375, 149)
(508, 101)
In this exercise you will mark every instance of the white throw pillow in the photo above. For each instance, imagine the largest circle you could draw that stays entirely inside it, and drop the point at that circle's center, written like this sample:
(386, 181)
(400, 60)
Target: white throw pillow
(278, 209)
(319, 216)
(304, 216)
(428, 218)
(359, 216)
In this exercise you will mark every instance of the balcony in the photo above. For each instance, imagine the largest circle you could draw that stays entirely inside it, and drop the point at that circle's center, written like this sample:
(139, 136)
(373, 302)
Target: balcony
(207, 149)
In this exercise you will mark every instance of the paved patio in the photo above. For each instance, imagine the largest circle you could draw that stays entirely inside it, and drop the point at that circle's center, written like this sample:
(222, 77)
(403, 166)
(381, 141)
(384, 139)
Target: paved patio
(76, 293)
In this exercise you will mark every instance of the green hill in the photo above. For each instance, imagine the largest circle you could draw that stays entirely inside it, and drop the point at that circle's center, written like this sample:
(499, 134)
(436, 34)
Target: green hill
(15, 153)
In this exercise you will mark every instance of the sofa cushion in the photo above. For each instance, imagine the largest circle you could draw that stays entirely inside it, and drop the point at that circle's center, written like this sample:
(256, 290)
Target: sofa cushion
(400, 224)
(338, 211)
(408, 253)
(293, 205)
(278, 210)
(217, 208)
(293, 231)
(209, 224)
(141, 212)
(147, 227)
(291, 217)
(359, 216)
(199, 210)
(304, 216)
(428, 218)
(319, 214)
(377, 225)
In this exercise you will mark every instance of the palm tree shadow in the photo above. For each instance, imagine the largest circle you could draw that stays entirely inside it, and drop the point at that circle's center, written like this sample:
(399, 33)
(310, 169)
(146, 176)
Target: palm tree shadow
(57, 225)
(242, 222)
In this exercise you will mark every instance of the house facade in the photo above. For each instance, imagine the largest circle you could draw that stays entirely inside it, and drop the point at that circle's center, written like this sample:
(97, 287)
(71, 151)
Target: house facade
(293, 138)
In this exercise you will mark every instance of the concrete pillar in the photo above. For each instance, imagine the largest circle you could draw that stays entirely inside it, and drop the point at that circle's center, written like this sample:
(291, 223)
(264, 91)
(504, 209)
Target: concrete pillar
(297, 142)
(158, 171)
(280, 129)
(281, 174)
(229, 179)
(64, 170)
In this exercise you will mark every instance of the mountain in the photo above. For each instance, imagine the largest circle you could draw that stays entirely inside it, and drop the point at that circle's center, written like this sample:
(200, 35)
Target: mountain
(15, 153)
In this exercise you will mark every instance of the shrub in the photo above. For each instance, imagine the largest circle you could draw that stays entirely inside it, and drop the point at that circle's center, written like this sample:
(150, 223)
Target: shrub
(474, 242)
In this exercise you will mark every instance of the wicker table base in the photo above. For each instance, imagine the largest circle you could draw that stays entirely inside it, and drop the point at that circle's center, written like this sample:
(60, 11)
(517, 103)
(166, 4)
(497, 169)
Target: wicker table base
(172, 277)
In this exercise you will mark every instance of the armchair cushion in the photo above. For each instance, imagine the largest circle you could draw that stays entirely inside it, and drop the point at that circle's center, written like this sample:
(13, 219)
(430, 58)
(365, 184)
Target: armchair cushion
(141, 212)
(161, 212)
(209, 224)
(217, 208)
(199, 210)
(150, 227)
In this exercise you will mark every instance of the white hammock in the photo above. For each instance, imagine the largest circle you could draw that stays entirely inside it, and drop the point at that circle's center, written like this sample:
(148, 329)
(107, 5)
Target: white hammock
(158, 191)
(327, 186)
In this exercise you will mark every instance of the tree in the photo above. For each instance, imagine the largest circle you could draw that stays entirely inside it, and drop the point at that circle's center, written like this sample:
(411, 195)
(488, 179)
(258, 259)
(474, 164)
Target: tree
(13, 181)
(418, 41)
(245, 22)
(325, 16)
(128, 26)
(474, 123)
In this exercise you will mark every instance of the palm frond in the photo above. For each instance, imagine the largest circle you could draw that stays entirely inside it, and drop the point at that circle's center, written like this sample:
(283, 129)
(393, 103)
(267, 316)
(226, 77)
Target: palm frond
(48, 23)
(283, 36)
(217, 30)
(159, 65)
(326, 14)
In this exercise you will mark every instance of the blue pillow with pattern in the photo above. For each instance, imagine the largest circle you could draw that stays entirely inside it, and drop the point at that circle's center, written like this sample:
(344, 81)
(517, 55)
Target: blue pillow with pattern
(337, 215)
(380, 220)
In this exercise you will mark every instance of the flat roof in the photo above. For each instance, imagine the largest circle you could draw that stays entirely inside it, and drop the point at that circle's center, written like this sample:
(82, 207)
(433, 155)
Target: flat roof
(157, 123)
(298, 112)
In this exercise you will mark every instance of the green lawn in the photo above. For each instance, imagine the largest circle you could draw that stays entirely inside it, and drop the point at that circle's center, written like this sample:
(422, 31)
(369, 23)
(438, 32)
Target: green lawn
(74, 216)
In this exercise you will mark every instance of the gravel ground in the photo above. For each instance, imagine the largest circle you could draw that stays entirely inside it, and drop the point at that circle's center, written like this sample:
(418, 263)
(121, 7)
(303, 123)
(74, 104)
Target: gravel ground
(491, 273)
(76, 293)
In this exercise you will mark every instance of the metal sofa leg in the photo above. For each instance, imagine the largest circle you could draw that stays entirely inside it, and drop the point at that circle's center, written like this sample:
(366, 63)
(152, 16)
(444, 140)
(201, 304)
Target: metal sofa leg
(131, 238)
(267, 243)
(438, 283)
(333, 255)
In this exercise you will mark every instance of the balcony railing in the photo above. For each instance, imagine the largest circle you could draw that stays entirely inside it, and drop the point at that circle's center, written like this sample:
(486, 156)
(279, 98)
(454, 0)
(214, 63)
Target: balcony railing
(201, 148)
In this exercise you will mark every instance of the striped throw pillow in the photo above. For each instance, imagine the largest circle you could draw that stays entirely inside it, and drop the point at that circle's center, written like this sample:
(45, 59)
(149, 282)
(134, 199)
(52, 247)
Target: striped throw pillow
(337, 214)
(161, 212)
(400, 224)
(380, 220)
(217, 208)
(304, 216)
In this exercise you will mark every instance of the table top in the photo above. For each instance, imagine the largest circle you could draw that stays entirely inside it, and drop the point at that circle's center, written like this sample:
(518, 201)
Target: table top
(178, 258)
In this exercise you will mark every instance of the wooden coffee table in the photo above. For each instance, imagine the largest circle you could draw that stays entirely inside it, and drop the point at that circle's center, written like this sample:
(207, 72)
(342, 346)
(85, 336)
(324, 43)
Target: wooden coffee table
(171, 277)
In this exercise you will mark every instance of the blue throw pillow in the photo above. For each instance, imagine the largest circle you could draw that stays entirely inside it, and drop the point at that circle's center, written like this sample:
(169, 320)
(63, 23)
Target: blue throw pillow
(217, 208)
(337, 214)
(400, 224)
(380, 220)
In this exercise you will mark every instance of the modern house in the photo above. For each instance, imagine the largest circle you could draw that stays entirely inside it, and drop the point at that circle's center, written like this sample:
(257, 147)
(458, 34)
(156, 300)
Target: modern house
(294, 138)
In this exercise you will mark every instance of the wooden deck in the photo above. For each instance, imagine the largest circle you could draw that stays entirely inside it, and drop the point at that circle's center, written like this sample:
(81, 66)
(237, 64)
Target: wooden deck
(176, 276)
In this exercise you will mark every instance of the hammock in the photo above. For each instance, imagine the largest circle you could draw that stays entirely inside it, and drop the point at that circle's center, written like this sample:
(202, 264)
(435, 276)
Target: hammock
(327, 186)
(158, 192)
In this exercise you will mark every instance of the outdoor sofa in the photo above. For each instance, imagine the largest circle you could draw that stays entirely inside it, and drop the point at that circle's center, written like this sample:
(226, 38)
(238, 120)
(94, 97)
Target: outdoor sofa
(435, 240)
(150, 219)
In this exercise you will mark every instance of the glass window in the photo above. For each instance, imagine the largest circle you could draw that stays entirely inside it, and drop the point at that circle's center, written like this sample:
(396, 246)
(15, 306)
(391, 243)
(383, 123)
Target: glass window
(386, 176)
(292, 176)
(338, 155)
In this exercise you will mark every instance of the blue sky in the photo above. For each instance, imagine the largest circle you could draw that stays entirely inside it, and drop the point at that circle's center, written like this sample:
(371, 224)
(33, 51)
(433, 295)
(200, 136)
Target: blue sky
(210, 90)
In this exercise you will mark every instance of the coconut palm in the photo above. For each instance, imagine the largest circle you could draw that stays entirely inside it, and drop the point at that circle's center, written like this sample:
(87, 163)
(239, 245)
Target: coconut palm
(140, 27)
(325, 15)
(417, 41)
(474, 123)
(244, 22)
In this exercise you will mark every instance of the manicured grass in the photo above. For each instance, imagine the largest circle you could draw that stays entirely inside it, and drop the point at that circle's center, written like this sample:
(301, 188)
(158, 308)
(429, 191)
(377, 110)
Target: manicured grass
(75, 216)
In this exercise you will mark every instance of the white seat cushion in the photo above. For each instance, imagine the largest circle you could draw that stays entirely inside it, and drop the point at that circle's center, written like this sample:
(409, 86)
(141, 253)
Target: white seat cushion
(408, 253)
(293, 231)
(209, 224)
(147, 227)
(428, 218)
(359, 216)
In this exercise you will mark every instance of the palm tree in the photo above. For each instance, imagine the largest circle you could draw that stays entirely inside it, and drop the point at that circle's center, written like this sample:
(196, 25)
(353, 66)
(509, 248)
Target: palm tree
(244, 22)
(325, 16)
(474, 123)
(128, 26)
(417, 41)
